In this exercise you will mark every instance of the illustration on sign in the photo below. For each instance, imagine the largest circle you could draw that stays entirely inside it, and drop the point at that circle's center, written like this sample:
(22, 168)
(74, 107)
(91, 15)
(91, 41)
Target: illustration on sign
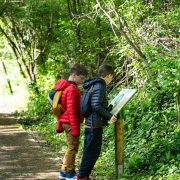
(122, 99)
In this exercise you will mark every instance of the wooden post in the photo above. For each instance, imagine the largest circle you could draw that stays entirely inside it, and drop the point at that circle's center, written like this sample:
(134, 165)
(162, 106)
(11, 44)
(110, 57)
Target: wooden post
(119, 147)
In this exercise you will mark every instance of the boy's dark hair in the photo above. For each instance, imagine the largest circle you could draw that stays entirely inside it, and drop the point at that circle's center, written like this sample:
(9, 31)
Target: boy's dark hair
(78, 69)
(105, 70)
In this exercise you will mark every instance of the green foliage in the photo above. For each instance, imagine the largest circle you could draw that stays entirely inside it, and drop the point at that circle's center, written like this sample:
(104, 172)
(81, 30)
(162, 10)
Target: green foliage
(142, 45)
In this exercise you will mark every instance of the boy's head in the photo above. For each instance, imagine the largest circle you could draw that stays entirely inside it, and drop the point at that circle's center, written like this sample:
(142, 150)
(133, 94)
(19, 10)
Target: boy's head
(78, 73)
(106, 72)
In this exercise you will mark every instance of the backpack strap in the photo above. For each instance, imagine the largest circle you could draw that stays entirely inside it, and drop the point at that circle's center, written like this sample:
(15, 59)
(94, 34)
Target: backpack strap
(91, 88)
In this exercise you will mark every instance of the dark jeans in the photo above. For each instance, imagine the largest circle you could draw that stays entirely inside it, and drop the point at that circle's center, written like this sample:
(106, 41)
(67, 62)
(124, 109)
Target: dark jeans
(91, 151)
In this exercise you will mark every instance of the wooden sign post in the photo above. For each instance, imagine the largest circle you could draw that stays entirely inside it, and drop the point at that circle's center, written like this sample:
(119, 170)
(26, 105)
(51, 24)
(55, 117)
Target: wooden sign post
(119, 147)
(120, 100)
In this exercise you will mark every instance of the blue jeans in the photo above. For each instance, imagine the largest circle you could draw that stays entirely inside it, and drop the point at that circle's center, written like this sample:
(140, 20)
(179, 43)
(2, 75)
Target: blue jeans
(91, 151)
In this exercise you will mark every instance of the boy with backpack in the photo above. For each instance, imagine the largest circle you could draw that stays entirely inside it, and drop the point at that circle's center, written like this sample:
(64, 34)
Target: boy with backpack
(71, 118)
(96, 120)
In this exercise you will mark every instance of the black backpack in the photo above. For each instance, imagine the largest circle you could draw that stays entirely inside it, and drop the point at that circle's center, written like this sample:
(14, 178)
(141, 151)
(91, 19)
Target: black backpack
(85, 103)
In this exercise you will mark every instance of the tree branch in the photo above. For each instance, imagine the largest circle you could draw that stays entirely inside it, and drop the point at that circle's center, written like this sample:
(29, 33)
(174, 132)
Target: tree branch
(120, 29)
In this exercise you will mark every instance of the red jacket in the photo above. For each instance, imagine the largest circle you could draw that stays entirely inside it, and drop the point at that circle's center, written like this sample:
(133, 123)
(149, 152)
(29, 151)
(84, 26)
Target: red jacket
(70, 101)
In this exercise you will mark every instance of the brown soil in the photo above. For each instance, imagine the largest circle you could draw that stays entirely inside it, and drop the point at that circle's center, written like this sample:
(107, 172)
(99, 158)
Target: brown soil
(21, 157)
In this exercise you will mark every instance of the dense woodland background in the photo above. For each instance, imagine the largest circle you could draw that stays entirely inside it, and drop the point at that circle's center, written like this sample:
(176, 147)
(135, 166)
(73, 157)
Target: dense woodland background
(40, 39)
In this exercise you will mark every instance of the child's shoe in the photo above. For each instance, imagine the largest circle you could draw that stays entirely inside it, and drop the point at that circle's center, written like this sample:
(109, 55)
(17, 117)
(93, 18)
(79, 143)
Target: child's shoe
(83, 178)
(62, 175)
(70, 176)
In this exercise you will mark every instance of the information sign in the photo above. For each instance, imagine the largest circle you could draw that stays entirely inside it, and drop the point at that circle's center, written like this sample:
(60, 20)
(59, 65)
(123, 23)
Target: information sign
(121, 99)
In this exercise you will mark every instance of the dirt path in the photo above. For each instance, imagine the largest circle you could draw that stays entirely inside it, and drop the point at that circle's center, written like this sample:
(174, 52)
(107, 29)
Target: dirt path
(20, 156)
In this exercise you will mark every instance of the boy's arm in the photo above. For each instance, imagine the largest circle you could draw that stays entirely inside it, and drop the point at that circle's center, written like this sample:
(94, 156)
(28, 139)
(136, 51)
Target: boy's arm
(72, 101)
(96, 103)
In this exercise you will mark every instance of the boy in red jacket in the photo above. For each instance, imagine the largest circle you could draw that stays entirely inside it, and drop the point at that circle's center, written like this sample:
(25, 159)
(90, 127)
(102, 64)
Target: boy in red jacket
(70, 120)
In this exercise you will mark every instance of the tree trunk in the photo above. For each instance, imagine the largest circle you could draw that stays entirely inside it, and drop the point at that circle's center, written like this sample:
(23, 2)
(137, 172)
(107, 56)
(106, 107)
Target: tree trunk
(8, 81)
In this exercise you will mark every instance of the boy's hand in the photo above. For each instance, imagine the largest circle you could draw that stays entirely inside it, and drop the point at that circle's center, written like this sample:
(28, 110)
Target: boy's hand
(113, 119)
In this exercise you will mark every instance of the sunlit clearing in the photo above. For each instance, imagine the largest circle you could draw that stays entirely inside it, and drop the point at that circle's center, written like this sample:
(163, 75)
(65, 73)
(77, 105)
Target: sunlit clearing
(10, 103)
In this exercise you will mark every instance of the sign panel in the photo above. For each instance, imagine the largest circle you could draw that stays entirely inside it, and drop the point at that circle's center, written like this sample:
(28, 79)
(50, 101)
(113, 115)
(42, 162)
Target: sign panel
(121, 99)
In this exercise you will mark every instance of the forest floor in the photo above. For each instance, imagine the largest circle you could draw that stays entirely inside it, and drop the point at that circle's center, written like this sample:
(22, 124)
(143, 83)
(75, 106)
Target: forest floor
(21, 157)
